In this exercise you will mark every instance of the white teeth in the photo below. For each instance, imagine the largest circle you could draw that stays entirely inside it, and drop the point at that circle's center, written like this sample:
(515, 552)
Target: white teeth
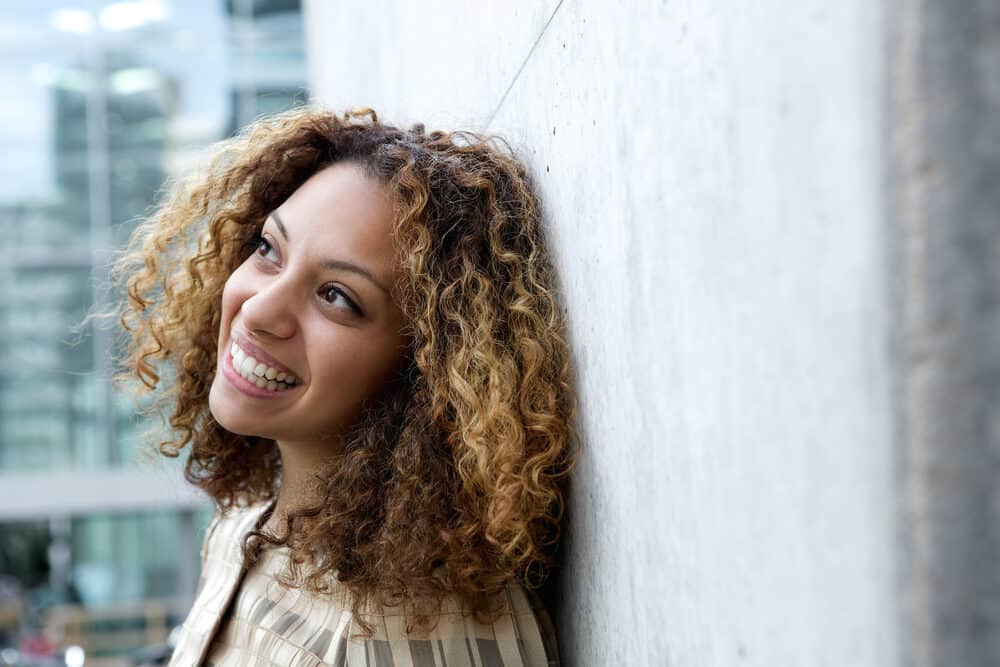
(259, 373)
(249, 363)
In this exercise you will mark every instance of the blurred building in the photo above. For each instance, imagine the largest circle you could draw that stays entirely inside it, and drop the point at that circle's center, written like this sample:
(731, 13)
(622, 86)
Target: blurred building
(103, 101)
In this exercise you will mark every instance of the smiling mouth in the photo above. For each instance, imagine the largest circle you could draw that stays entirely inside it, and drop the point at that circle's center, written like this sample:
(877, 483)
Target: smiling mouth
(258, 373)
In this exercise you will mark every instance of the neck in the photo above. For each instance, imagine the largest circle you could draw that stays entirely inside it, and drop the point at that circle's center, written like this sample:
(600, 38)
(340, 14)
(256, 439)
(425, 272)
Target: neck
(297, 486)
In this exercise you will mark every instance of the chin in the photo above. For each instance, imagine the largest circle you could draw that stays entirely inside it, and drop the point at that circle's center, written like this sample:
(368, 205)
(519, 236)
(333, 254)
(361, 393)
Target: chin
(229, 418)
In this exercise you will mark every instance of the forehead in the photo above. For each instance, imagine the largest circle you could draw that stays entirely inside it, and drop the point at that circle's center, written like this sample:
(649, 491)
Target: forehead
(340, 213)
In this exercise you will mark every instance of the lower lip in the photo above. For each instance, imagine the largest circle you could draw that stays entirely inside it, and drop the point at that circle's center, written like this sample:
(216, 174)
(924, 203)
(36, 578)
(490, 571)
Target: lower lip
(247, 387)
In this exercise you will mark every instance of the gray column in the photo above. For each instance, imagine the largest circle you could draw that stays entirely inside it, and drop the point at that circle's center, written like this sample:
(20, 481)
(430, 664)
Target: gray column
(943, 116)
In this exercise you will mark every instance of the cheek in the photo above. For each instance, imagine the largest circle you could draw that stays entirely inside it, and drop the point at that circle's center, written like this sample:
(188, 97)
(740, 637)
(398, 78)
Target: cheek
(379, 361)
(234, 293)
(348, 359)
(228, 300)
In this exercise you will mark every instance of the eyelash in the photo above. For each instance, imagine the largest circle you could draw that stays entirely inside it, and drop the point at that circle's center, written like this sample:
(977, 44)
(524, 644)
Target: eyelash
(258, 239)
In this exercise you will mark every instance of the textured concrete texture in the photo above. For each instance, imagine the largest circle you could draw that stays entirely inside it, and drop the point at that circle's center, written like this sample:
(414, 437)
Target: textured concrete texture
(773, 369)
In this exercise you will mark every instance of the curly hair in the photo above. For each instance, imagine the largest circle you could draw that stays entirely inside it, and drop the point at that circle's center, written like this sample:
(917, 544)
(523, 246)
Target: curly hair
(452, 481)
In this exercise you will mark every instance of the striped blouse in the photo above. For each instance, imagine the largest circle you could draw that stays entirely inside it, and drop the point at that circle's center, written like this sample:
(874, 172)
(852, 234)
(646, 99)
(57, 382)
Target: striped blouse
(243, 617)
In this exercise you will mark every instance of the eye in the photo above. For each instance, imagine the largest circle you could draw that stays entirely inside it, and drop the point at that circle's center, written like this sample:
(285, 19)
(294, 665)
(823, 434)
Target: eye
(263, 247)
(330, 293)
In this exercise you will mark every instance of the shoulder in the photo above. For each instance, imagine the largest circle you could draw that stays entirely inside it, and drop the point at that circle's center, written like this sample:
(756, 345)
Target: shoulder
(226, 529)
(523, 636)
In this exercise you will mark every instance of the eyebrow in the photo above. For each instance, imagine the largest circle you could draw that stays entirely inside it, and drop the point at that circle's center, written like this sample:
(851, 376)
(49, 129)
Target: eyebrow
(336, 264)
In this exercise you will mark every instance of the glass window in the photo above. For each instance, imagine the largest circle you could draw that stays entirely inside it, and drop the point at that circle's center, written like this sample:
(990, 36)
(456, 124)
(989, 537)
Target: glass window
(104, 101)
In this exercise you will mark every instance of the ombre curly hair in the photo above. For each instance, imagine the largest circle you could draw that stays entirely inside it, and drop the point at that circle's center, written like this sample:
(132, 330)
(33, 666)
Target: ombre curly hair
(452, 481)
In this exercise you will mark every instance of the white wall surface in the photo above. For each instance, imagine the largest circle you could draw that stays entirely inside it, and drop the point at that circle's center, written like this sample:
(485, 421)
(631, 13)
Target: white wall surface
(711, 172)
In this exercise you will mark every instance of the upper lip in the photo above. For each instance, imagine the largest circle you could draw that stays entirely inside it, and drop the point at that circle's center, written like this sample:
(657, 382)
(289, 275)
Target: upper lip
(259, 354)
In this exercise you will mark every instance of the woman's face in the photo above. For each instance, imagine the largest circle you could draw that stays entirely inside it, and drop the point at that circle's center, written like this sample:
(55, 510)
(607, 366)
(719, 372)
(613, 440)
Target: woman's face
(309, 315)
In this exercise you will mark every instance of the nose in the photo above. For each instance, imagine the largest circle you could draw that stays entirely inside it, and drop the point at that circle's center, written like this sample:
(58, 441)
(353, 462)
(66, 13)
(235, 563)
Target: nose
(269, 311)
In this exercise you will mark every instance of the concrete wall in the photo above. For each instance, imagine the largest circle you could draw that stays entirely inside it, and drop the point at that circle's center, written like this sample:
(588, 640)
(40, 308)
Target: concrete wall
(712, 173)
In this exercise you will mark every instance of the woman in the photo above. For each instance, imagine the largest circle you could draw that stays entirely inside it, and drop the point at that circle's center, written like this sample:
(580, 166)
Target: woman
(369, 365)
